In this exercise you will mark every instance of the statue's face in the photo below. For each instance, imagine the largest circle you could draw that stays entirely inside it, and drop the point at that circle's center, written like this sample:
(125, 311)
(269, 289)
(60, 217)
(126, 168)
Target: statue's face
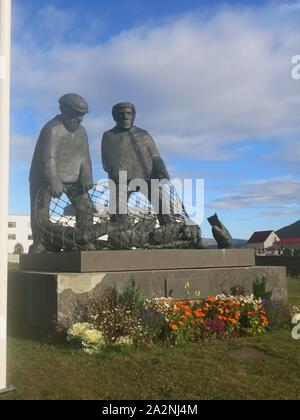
(125, 118)
(72, 119)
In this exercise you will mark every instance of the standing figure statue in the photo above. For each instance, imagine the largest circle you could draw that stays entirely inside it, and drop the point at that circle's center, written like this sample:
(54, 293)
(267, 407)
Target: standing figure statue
(61, 164)
(130, 149)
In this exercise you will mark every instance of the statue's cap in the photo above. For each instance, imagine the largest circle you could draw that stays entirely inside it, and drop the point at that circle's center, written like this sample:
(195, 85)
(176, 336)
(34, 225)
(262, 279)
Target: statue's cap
(76, 102)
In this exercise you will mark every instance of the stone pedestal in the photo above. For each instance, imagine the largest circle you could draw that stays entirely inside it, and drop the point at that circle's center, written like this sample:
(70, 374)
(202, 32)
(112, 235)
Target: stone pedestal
(51, 297)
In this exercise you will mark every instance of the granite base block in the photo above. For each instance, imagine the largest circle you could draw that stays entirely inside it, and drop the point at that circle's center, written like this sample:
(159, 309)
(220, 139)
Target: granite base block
(111, 261)
(50, 300)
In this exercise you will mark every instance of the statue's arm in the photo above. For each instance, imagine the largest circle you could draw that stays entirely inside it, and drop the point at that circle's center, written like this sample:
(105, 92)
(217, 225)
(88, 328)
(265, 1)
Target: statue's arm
(86, 170)
(106, 154)
(48, 159)
(159, 166)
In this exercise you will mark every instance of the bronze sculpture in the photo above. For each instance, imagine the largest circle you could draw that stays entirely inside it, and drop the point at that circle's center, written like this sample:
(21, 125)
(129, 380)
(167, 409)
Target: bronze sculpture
(132, 150)
(61, 164)
(220, 233)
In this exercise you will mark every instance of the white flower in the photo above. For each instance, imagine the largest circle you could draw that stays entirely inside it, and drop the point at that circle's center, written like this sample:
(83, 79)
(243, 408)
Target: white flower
(296, 319)
(125, 341)
(77, 330)
(92, 337)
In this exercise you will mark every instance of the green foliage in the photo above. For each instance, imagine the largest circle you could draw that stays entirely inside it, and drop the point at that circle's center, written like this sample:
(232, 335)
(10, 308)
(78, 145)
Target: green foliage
(131, 299)
(19, 249)
(155, 326)
(237, 290)
(259, 288)
(279, 314)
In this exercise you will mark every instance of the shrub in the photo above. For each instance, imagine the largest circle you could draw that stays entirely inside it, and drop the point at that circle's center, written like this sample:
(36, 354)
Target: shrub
(19, 249)
(279, 314)
(155, 325)
(259, 288)
(131, 299)
(117, 323)
(237, 290)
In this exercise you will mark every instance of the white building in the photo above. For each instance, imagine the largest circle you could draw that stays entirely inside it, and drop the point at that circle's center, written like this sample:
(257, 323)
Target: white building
(19, 232)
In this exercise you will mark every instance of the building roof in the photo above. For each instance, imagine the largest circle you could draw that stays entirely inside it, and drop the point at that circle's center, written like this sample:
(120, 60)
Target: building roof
(290, 231)
(260, 236)
(290, 241)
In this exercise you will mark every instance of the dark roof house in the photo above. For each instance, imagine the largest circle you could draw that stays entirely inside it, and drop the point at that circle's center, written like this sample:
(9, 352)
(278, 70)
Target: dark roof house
(260, 236)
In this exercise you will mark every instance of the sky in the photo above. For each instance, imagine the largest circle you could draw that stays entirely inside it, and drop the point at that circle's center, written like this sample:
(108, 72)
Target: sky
(211, 82)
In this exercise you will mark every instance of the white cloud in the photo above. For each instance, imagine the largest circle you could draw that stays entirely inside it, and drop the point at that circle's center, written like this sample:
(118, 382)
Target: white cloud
(272, 193)
(289, 152)
(21, 149)
(198, 85)
(289, 7)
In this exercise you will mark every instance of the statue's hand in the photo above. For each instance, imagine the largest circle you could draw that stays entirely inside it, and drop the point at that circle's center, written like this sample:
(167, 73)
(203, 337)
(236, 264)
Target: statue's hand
(87, 185)
(160, 169)
(57, 188)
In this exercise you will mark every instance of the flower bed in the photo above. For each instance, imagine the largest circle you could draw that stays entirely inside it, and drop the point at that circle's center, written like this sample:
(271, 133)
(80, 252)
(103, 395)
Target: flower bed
(220, 316)
(172, 321)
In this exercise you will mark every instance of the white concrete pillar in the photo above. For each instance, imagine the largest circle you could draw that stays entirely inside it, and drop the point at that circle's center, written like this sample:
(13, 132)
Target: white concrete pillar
(5, 42)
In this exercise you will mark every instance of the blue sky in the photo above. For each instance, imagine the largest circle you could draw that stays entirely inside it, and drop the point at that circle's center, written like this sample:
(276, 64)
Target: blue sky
(211, 82)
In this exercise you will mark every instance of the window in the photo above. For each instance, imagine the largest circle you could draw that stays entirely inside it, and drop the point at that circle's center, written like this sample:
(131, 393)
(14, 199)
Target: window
(12, 225)
(12, 237)
(30, 238)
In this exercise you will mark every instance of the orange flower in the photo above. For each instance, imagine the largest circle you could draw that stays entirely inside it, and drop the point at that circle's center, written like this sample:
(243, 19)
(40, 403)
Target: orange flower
(181, 323)
(183, 317)
(220, 318)
(199, 314)
(202, 322)
(193, 322)
(233, 321)
(189, 314)
(227, 311)
(186, 307)
(205, 309)
(250, 313)
(174, 328)
(212, 299)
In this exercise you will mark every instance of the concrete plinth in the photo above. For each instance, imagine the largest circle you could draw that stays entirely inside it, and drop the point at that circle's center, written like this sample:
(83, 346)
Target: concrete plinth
(53, 299)
(111, 261)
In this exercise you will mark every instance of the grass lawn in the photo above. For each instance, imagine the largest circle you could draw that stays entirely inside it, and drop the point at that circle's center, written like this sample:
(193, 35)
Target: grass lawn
(265, 367)
(294, 290)
(13, 266)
